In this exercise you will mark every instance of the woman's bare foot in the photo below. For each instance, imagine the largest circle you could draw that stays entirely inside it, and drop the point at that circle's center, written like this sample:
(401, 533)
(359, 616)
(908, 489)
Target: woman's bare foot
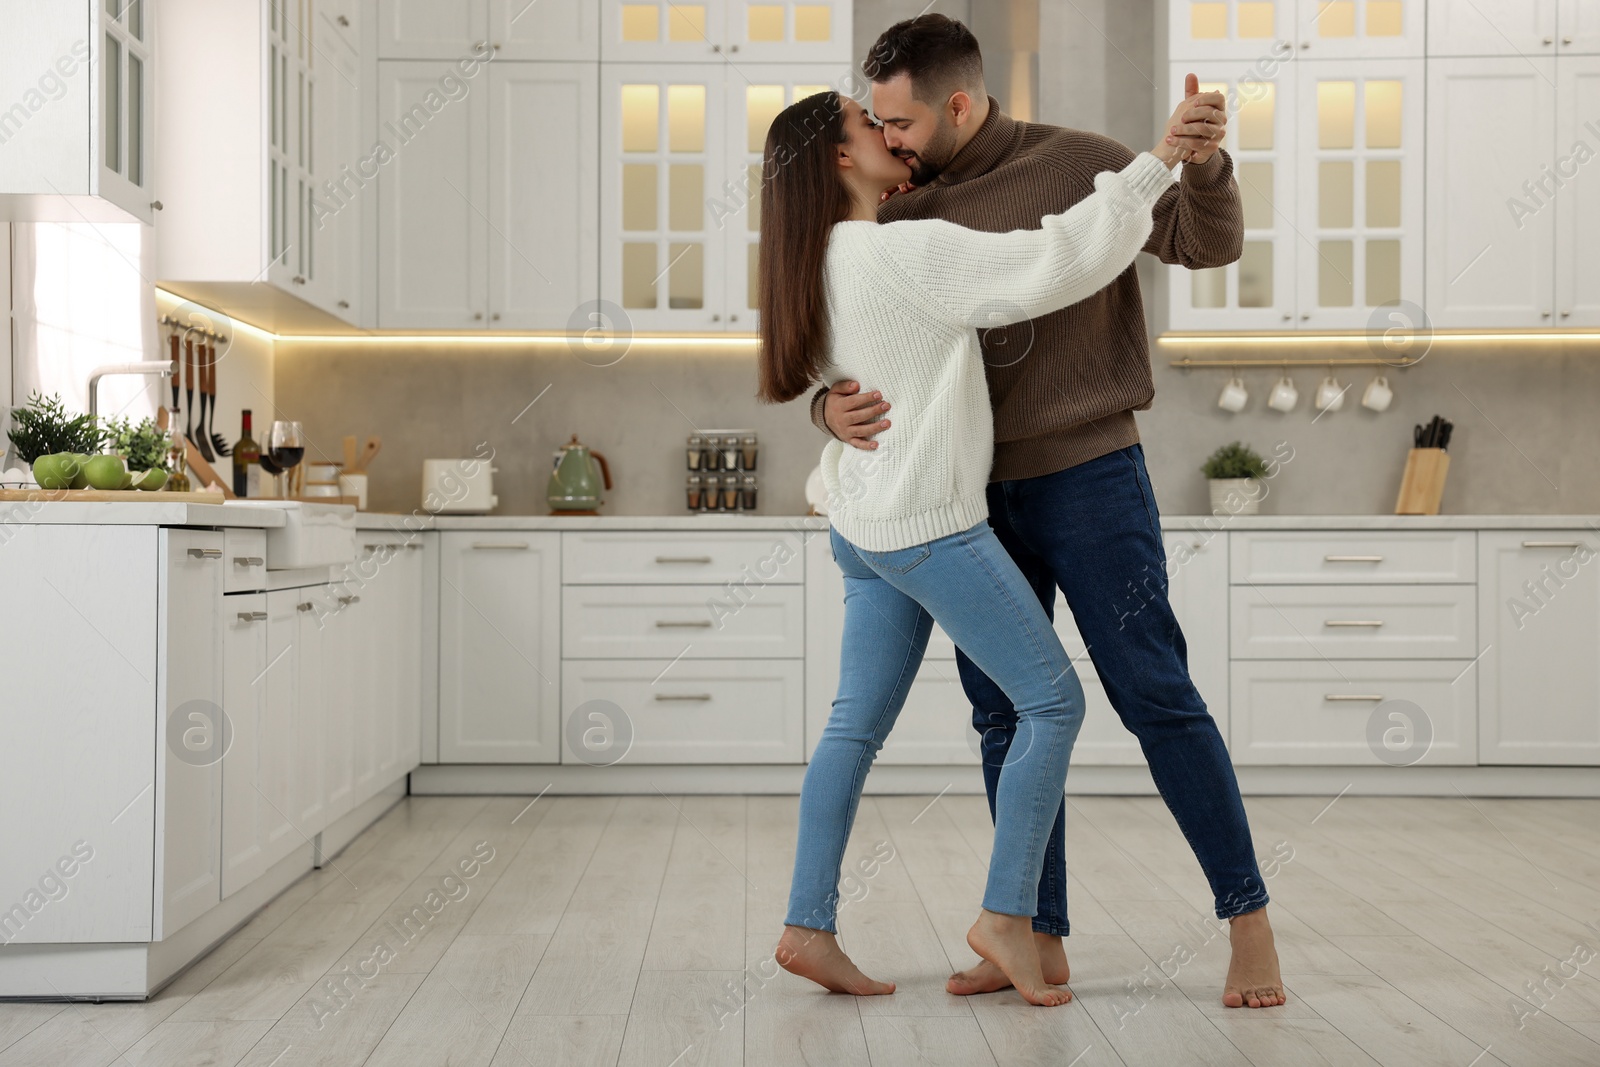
(1253, 976)
(815, 954)
(985, 977)
(1007, 942)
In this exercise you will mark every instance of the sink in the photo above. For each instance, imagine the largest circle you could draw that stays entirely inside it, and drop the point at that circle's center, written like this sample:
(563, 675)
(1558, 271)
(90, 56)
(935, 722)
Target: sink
(313, 535)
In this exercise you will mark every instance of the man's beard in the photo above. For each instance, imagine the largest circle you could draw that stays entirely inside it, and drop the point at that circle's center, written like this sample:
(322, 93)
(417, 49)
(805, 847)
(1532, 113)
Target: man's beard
(935, 155)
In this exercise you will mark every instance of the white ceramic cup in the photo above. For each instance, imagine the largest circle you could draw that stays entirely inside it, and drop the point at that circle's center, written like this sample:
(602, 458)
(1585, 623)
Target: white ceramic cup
(1330, 394)
(354, 485)
(1284, 395)
(1378, 396)
(1234, 395)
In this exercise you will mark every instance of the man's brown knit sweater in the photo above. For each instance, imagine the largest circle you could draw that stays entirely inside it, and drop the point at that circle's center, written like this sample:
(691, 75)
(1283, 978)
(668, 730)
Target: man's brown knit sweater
(1065, 386)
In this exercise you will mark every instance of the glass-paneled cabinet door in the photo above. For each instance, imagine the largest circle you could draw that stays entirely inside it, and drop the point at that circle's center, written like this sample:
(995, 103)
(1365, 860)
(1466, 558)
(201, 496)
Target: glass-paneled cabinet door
(123, 141)
(736, 205)
(293, 63)
(1258, 291)
(663, 163)
(789, 30)
(1524, 28)
(1360, 29)
(1359, 166)
(663, 31)
(1229, 29)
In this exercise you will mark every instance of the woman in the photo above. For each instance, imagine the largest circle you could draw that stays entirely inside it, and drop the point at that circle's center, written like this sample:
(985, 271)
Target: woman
(895, 307)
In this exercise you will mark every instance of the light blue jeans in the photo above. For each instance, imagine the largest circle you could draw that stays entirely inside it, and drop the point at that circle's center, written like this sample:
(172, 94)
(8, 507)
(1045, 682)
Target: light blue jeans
(970, 585)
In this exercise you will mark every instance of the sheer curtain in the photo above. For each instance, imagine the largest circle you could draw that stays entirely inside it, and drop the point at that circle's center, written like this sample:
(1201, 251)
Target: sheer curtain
(81, 297)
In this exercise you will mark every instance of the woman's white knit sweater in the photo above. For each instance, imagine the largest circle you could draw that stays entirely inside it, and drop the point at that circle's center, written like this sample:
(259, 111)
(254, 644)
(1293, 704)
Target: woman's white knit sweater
(905, 301)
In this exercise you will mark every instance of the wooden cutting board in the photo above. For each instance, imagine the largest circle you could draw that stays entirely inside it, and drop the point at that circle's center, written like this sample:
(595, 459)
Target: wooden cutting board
(96, 496)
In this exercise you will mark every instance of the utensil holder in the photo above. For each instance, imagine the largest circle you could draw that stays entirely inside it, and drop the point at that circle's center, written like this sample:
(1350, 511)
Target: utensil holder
(1422, 485)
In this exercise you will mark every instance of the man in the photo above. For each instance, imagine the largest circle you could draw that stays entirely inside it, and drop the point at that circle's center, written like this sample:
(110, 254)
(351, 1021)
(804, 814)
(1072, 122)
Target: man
(1069, 496)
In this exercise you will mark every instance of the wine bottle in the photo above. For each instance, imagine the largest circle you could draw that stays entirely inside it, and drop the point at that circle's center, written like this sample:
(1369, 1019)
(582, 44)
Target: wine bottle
(246, 462)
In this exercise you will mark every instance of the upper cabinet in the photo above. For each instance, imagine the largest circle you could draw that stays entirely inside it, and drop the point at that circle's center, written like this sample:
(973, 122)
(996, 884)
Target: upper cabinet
(1312, 29)
(669, 31)
(75, 140)
(1526, 28)
(511, 29)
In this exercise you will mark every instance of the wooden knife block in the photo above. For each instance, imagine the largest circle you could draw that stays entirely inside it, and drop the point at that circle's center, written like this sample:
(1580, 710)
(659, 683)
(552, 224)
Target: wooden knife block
(1422, 485)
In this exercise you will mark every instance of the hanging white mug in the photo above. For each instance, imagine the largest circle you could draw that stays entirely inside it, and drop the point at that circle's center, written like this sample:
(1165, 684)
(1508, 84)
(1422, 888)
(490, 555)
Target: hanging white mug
(1234, 395)
(1284, 396)
(1378, 396)
(1330, 394)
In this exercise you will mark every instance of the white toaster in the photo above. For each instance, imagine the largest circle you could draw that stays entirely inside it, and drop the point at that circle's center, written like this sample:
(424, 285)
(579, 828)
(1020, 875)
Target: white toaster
(458, 486)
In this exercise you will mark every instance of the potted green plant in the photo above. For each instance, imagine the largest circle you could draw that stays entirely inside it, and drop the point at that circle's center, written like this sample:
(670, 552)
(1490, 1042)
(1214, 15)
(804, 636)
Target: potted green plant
(43, 427)
(144, 445)
(1235, 472)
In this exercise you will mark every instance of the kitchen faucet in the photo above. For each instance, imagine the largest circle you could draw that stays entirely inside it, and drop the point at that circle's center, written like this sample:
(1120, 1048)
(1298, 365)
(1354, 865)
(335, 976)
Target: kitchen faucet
(165, 370)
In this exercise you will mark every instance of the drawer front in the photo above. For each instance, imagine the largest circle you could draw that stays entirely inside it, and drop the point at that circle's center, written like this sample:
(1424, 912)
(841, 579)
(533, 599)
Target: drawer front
(244, 558)
(1315, 712)
(692, 621)
(660, 711)
(715, 557)
(1404, 557)
(1354, 622)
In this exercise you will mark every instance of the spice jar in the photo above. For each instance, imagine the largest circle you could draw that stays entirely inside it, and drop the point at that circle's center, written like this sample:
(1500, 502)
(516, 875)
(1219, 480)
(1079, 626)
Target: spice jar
(695, 487)
(710, 456)
(710, 495)
(730, 452)
(749, 501)
(749, 452)
(693, 453)
(730, 492)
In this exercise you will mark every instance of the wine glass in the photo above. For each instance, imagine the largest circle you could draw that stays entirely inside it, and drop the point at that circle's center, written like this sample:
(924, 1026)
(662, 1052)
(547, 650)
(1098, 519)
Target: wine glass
(285, 448)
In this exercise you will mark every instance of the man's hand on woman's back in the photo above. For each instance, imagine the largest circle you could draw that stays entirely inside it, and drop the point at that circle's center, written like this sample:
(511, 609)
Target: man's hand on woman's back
(853, 416)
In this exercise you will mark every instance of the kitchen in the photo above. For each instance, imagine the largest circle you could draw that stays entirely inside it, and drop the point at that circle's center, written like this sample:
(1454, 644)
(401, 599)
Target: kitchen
(486, 746)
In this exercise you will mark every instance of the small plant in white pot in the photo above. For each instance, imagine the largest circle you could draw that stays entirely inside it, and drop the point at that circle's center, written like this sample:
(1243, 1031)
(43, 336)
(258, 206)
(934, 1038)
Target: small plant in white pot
(1235, 472)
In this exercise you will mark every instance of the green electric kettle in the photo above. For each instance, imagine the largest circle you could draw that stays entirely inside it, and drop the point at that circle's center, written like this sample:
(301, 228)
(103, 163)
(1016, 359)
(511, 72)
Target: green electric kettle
(575, 482)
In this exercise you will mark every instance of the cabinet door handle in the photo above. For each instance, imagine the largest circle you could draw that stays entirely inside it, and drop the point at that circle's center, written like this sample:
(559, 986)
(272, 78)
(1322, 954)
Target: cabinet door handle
(1373, 697)
(665, 624)
(1566, 38)
(499, 544)
(306, 606)
(205, 553)
(251, 616)
(1549, 40)
(1353, 559)
(349, 599)
(1354, 622)
(342, 20)
(683, 696)
(385, 544)
(248, 561)
(683, 559)
(1552, 544)
(413, 545)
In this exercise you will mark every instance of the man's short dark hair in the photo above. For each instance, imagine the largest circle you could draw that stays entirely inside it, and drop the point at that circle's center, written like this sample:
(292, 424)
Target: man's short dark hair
(939, 53)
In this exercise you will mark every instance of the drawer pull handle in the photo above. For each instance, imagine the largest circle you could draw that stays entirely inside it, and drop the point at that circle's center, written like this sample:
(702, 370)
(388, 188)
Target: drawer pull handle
(251, 616)
(683, 559)
(683, 696)
(385, 544)
(1353, 559)
(1551, 544)
(499, 544)
(665, 624)
(349, 599)
(205, 553)
(413, 544)
(1371, 697)
(248, 561)
(305, 606)
(1354, 622)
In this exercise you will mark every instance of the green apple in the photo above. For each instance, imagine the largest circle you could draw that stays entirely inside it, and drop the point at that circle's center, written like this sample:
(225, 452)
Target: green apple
(76, 468)
(150, 480)
(106, 472)
(48, 473)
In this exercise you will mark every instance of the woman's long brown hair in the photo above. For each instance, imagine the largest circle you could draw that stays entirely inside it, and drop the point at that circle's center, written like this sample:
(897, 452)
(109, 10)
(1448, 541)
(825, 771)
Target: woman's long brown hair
(802, 196)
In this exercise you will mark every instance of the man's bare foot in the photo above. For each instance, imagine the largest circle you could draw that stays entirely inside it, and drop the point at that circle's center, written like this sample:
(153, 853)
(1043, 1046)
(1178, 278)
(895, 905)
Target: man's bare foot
(1007, 942)
(815, 954)
(1253, 976)
(985, 977)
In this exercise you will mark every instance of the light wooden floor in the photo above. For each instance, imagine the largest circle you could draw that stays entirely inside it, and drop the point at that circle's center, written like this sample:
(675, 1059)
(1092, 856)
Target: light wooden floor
(639, 931)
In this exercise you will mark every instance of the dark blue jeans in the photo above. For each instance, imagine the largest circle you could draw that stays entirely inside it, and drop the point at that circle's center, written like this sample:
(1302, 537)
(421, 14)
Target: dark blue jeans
(1092, 531)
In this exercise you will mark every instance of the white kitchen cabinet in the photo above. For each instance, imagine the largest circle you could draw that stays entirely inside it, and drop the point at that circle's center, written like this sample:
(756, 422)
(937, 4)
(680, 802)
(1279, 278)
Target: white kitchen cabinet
(365, 691)
(390, 570)
(1315, 29)
(1360, 179)
(544, 220)
(1353, 622)
(76, 139)
(343, 686)
(1491, 231)
(1577, 202)
(1360, 29)
(191, 731)
(1539, 620)
(311, 709)
(1258, 291)
(666, 31)
(1355, 557)
(259, 769)
(1525, 28)
(468, 238)
(708, 557)
(1229, 29)
(499, 647)
(514, 29)
(1578, 26)
(336, 212)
